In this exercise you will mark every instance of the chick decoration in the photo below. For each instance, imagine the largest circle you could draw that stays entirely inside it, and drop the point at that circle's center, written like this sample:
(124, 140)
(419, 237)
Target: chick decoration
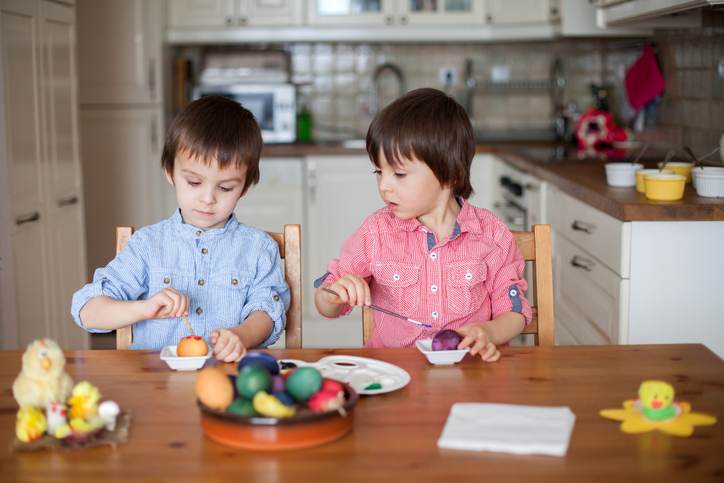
(30, 424)
(42, 379)
(83, 412)
(656, 408)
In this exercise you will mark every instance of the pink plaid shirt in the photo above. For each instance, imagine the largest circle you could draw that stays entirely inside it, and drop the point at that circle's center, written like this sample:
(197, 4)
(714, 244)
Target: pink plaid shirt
(474, 276)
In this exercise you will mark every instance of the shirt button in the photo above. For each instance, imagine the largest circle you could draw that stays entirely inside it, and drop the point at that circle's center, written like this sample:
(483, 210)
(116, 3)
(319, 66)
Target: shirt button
(166, 280)
(433, 288)
(201, 281)
(433, 256)
(234, 281)
(396, 277)
(204, 251)
(199, 311)
(434, 314)
(276, 298)
(198, 233)
(468, 276)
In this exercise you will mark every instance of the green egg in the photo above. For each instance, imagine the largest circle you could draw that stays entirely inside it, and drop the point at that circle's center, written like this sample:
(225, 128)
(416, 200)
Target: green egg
(242, 407)
(304, 382)
(252, 379)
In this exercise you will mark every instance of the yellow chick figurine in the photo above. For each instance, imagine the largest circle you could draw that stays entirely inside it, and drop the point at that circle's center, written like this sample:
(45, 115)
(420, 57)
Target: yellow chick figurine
(30, 424)
(657, 400)
(42, 379)
(84, 400)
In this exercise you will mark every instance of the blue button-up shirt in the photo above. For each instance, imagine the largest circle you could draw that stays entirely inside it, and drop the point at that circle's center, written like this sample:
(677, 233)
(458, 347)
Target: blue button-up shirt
(227, 273)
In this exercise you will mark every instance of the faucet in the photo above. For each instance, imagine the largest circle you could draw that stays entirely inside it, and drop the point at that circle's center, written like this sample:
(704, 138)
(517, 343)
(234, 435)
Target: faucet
(374, 85)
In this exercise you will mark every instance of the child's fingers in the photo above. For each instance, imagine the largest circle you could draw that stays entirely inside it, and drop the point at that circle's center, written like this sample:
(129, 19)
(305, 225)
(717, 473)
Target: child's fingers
(491, 353)
(466, 342)
(478, 347)
(214, 337)
(184, 310)
(163, 304)
(227, 353)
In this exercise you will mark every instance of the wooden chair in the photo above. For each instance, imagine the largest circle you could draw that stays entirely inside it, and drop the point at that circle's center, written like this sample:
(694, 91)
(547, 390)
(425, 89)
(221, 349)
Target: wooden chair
(290, 249)
(536, 247)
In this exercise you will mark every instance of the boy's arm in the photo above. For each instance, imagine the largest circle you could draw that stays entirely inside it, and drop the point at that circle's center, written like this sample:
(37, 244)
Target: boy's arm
(503, 327)
(105, 313)
(256, 329)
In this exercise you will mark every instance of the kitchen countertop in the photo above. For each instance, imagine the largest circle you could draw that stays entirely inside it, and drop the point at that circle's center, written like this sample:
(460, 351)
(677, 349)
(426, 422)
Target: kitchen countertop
(584, 179)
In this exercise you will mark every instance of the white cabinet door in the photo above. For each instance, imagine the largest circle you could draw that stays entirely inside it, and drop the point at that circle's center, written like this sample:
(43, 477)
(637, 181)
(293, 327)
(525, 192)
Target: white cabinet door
(351, 12)
(507, 12)
(278, 197)
(23, 152)
(270, 12)
(442, 12)
(119, 51)
(483, 180)
(123, 180)
(201, 13)
(66, 236)
(341, 193)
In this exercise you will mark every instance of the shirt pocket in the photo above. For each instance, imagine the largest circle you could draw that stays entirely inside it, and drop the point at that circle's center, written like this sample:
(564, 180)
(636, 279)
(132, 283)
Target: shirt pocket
(465, 288)
(398, 284)
(228, 296)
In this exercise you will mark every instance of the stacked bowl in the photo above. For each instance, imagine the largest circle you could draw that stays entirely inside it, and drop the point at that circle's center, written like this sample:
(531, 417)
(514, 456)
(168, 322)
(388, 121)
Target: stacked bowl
(709, 181)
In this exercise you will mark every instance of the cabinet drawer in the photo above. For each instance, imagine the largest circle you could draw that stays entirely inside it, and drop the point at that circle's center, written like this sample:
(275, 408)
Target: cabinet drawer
(602, 236)
(590, 299)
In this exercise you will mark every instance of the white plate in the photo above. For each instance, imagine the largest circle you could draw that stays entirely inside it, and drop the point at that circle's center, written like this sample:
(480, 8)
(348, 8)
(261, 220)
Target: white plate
(360, 372)
(440, 358)
(189, 363)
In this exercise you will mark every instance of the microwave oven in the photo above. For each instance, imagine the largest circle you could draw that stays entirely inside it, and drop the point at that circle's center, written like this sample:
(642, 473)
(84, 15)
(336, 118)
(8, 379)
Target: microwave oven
(273, 106)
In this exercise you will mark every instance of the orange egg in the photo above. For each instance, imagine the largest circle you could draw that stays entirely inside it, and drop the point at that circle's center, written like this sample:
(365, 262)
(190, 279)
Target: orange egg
(214, 389)
(192, 345)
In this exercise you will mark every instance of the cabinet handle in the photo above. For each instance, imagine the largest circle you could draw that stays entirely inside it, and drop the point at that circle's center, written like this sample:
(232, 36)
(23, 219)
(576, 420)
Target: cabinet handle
(312, 182)
(22, 219)
(243, 20)
(67, 201)
(580, 262)
(489, 19)
(582, 226)
(229, 20)
(389, 19)
(152, 78)
(403, 20)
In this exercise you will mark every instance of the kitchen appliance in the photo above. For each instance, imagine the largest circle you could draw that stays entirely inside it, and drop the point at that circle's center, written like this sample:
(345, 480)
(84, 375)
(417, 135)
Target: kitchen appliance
(260, 83)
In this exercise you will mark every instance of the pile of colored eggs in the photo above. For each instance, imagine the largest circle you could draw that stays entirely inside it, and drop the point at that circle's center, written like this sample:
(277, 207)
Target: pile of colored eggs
(262, 389)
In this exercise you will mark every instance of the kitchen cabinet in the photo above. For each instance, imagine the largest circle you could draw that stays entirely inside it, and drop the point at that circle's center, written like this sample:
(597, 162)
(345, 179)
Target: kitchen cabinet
(351, 12)
(120, 51)
(233, 13)
(121, 153)
(505, 12)
(43, 227)
(442, 12)
(631, 12)
(634, 282)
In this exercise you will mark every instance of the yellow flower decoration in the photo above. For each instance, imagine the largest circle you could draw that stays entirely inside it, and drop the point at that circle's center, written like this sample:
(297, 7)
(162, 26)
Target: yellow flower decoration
(671, 417)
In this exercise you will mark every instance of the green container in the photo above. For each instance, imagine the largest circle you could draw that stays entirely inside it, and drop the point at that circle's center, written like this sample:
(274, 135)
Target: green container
(304, 126)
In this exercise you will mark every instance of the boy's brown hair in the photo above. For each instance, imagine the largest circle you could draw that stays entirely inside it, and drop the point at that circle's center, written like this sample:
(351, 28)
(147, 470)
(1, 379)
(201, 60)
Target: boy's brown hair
(430, 126)
(215, 128)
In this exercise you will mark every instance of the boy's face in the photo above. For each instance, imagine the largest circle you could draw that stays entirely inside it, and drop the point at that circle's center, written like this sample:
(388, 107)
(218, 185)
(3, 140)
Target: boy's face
(206, 194)
(410, 190)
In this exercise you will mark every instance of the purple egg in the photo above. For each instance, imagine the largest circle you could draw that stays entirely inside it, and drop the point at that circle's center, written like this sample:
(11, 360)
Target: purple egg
(446, 340)
(284, 397)
(277, 384)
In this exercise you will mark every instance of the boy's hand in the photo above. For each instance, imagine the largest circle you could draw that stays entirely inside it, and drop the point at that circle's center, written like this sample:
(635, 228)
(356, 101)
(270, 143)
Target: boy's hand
(165, 304)
(479, 339)
(227, 345)
(351, 289)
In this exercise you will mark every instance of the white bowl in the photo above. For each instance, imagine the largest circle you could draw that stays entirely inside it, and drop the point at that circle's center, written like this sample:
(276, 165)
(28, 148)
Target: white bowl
(622, 175)
(705, 171)
(178, 363)
(440, 358)
(709, 185)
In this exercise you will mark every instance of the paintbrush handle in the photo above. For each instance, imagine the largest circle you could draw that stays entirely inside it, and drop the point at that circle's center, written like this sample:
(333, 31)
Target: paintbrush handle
(188, 325)
(384, 311)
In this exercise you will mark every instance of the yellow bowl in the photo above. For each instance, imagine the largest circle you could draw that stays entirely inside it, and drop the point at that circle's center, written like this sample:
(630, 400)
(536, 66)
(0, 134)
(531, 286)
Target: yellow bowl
(641, 177)
(665, 187)
(680, 168)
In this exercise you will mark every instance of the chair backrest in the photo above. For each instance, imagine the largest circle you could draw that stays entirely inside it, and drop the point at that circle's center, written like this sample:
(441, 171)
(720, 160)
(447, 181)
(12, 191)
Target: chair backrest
(290, 249)
(535, 246)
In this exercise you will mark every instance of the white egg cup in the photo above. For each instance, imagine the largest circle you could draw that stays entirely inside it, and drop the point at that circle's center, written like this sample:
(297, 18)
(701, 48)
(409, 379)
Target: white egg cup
(179, 363)
(440, 358)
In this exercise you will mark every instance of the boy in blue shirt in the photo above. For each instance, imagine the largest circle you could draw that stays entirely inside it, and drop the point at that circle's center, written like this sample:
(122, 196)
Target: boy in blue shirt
(201, 262)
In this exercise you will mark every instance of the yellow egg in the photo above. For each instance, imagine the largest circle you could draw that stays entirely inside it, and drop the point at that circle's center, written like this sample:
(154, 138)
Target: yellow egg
(192, 345)
(214, 389)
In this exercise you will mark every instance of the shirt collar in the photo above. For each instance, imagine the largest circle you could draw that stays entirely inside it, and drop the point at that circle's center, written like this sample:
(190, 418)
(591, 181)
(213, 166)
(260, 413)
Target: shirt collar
(190, 230)
(464, 221)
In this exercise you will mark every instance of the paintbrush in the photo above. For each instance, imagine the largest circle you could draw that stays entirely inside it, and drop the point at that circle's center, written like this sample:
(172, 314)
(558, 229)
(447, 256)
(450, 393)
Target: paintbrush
(385, 311)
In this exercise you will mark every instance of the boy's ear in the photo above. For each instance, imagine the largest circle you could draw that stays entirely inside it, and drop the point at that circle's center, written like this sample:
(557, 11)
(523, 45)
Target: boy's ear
(169, 178)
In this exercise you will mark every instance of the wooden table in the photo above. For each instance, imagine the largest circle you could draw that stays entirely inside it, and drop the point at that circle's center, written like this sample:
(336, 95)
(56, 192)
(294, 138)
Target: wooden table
(395, 435)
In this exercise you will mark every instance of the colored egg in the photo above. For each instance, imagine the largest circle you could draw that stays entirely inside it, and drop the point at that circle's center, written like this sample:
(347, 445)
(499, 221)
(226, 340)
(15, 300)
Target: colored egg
(277, 383)
(325, 401)
(267, 361)
(252, 379)
(284, 397)
(214, 389)
(332, 386)
(242, 407)
(267, 405)
(304, 382)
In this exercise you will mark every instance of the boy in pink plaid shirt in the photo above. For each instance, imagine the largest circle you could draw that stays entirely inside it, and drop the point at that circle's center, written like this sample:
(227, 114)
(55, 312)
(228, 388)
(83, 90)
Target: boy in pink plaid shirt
(429, 254)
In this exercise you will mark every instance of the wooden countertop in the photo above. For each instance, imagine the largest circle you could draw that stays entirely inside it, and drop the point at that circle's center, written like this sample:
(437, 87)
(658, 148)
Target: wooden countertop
(395, 435)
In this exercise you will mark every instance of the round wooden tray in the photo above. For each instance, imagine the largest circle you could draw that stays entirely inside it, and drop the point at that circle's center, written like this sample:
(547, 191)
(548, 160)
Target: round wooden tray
(262, 433)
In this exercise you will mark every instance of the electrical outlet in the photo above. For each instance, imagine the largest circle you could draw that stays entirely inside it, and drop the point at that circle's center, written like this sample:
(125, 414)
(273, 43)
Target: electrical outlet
(720, 69)
(448, 76)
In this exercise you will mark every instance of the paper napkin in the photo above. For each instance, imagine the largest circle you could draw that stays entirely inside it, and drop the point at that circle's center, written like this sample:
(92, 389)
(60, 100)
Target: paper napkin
(508, 428)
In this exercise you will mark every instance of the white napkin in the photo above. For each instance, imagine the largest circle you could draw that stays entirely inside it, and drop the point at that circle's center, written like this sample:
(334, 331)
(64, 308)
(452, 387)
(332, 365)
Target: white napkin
(508, 428)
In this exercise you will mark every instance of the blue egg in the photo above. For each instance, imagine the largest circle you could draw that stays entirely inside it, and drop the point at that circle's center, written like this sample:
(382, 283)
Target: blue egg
(284, 397)
(263, 359)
